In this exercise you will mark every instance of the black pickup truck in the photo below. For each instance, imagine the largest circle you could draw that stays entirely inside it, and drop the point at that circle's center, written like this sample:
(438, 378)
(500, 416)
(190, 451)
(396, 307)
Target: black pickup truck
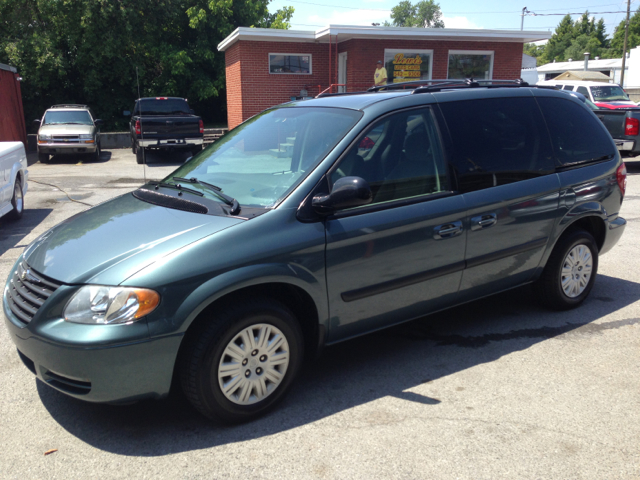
(164, 123)
(624, 126)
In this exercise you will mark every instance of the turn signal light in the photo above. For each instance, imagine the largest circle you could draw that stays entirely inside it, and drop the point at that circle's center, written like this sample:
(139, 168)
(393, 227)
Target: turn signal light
(138, 130)
(631, 126)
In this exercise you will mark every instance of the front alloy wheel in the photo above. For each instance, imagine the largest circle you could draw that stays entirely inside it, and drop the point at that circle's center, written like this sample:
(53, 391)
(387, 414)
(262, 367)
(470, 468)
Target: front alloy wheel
(253, 364)
(237, 363)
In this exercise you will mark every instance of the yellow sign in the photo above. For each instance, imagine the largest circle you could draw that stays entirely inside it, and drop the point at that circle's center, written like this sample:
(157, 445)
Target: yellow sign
(406, 68)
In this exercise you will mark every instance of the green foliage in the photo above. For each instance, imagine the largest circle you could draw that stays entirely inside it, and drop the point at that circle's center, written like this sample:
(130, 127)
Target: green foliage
(90, 51)
(533, 50)
(424, 14)
(633, 39)
(573, 39)
(280, 19)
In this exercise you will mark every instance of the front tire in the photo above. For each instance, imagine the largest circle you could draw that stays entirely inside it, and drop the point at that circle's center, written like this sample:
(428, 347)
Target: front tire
(17, 201)
(570, 272)
(43, 157)
(241, 363)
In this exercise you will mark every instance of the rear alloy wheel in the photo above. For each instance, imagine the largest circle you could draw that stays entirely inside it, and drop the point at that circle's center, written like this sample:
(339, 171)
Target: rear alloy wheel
(17, 201)
(570, 272)
(240, 364)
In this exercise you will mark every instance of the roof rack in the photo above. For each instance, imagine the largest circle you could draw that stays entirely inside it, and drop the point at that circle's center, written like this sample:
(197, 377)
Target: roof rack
(69, 105)
(424, 86)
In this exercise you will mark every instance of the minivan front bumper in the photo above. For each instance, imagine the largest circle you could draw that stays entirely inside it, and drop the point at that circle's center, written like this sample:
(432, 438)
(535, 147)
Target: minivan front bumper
(113, 373)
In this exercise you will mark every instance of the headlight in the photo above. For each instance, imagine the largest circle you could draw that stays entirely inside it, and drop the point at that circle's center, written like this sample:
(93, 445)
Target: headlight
(44, 136)
(85, 136)
(100, 305)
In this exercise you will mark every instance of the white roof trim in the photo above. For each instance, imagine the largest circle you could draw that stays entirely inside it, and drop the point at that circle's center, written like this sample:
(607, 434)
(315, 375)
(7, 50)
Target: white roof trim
(348, 32)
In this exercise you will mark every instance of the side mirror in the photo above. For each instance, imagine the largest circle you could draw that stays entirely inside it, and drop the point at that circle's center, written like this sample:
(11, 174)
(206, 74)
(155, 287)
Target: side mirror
(97, 121)
(126, 113)
(347, 192)
(36, 121)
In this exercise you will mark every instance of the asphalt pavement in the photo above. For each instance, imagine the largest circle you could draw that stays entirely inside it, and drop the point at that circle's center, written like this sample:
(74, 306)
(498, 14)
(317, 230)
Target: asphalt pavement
(499, 388)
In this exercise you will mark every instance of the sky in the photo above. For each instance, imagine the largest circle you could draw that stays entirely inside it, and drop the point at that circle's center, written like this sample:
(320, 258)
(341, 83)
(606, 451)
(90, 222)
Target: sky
(485, 14)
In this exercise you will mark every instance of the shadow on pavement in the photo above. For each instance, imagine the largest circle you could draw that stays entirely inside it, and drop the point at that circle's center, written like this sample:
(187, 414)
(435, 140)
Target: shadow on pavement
(353, 373)
(13, 231)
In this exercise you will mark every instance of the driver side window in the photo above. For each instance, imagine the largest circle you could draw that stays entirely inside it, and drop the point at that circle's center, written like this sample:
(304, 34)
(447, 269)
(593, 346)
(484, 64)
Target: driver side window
(399, 156)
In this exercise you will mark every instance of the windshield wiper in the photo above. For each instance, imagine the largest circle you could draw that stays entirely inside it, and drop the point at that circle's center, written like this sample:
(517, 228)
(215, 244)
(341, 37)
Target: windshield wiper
(232, 202)
(176, 187)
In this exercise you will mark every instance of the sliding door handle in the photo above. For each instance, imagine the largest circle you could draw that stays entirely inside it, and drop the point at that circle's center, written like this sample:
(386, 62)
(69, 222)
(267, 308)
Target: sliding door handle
(447, 230)
(483, 221)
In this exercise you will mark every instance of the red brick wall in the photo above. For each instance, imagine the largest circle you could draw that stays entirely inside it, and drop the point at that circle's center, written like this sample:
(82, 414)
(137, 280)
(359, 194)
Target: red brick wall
(234, 89)
(362, 55)
(251, 88)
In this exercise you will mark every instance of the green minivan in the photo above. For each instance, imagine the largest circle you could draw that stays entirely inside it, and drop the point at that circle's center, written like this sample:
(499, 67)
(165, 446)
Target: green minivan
(312, 223)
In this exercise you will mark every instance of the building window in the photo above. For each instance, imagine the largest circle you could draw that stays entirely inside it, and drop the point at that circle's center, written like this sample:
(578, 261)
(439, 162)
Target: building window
(470, 64)
(407, 65)
(299, 63)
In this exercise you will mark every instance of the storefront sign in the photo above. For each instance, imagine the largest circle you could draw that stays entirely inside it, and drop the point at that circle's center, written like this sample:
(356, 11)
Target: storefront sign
(407, 65)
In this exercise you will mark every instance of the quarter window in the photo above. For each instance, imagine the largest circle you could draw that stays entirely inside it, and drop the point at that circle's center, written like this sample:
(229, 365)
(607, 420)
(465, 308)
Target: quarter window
(583, 91)
(577, 136)
(400, 157)
(497, 141)
(290, 63)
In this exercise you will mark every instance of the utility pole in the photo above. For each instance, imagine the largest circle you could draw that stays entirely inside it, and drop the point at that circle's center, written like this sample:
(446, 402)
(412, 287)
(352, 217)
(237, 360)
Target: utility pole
(522, 22)
(624, 48)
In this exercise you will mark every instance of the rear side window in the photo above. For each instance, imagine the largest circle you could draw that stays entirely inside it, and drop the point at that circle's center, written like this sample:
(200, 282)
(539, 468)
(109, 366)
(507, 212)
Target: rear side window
(577, 136)
(583, 91)
(568, 87)
(497, 141)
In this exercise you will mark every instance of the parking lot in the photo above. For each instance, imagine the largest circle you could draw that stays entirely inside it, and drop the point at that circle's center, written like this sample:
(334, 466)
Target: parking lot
(499, 388)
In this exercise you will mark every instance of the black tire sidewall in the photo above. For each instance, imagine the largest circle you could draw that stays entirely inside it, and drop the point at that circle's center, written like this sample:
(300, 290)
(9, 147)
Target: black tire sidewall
(214, 400)
(16, 214)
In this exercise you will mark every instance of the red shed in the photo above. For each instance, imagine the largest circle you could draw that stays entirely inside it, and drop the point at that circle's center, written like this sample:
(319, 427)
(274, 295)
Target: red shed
(12, 127)
(265, 67)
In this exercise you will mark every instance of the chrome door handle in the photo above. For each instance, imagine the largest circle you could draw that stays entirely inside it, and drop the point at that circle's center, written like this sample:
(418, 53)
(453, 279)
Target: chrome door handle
(483, 221)
(447, 230)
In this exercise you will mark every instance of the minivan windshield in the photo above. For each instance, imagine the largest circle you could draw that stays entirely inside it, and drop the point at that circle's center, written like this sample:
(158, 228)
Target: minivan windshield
(259, 162)
(77, 117)
(608, 93)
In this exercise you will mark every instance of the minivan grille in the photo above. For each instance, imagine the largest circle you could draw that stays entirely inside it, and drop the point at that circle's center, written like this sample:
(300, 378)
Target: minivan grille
(28, 290)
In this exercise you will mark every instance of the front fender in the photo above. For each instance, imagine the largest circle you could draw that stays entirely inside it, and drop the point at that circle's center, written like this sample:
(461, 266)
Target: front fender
(231, 281)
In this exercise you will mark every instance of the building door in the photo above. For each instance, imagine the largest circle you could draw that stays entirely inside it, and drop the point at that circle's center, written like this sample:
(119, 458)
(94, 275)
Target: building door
(342, 71)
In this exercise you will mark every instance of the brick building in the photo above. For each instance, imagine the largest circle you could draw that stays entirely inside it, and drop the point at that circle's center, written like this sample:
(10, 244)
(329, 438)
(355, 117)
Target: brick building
(266, 67)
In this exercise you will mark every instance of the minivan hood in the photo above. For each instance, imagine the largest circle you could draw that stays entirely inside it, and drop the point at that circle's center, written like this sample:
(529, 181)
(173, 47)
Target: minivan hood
(110, 242)
(62, 129)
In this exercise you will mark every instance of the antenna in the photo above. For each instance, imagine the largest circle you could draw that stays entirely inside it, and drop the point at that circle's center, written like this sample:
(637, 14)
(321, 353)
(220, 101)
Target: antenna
(144, 157)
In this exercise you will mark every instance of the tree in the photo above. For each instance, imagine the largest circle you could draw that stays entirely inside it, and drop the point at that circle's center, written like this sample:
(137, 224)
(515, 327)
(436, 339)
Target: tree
(533, 50)
(424, 14)
(92, 51)
(633, 40)
(281, 19)
(559, 41)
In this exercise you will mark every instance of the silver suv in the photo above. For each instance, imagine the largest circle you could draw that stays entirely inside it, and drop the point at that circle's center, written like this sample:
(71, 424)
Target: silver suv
(68, 129)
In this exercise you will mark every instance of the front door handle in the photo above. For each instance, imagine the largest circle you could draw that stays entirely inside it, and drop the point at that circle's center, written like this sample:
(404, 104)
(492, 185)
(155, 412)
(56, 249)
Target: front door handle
(483, 221)
(447, 230)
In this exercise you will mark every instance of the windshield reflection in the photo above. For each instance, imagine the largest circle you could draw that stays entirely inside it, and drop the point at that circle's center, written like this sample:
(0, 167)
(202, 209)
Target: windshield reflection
(261, 161)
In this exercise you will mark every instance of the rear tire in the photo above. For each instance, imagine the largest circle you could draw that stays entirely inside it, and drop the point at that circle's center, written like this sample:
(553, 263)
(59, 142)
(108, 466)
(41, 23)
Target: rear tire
(17, 201)
(570, 272)
(140, 155)
(239, 364)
